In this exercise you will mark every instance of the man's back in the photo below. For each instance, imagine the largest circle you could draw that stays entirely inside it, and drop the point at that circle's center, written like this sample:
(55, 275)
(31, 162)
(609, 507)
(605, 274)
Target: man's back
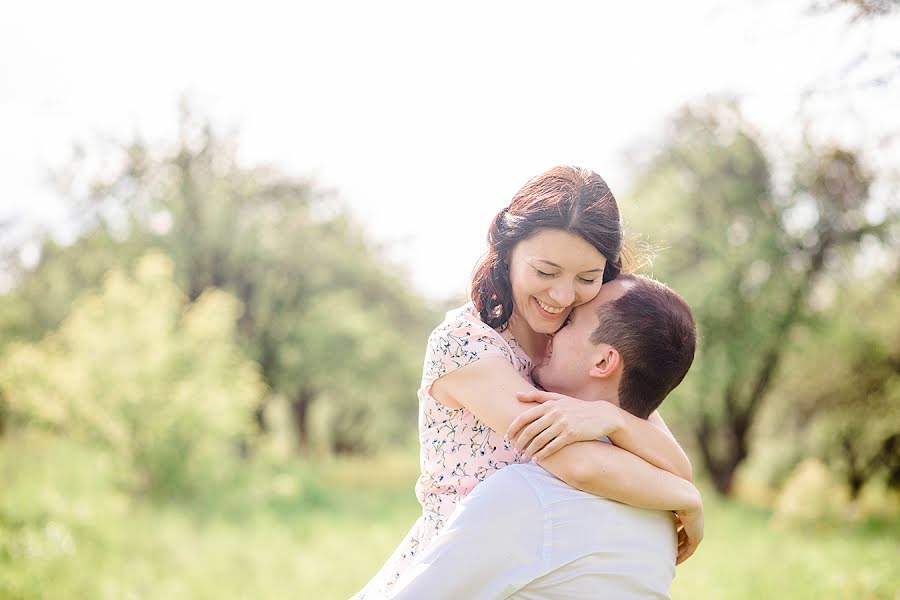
(526, 535)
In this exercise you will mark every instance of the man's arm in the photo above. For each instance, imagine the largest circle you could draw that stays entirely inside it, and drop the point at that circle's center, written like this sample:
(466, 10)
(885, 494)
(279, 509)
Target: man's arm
(489, 548)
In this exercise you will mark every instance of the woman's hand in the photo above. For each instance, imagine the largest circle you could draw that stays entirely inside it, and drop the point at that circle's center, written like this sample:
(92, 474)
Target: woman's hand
(560, 421)
(690, 530)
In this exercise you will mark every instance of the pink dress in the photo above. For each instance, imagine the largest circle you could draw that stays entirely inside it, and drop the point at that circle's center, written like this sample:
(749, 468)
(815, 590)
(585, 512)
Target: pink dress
(457, 451)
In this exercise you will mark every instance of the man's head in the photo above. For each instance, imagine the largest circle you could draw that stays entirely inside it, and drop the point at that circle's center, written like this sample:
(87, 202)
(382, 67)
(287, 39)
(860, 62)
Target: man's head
(634, 342)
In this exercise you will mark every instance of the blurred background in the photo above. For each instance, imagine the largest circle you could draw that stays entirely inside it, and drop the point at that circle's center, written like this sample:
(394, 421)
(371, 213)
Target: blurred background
(226, 232)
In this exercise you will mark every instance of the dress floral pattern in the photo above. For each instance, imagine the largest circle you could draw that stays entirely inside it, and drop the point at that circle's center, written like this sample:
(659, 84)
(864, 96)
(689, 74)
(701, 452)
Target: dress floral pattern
(457, 451)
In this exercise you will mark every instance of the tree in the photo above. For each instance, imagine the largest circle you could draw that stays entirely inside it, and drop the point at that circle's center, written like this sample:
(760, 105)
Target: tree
(277, 243)
(138, 371)
(43, 297)
(848, 414)
(862, 9)
(747, 255)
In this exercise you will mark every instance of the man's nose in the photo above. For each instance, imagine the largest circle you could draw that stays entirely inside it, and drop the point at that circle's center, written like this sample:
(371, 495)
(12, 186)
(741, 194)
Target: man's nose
(563, 294)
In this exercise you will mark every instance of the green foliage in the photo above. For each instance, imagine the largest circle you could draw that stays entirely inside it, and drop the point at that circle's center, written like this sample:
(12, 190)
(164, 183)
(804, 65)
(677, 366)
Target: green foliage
(747, 255)
(810, 496)
(848, 414)
(355, 359)
(325, 317)
(42, 298)
(135, 369)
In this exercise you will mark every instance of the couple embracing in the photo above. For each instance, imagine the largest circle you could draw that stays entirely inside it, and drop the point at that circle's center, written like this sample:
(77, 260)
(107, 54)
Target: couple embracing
(575, 490)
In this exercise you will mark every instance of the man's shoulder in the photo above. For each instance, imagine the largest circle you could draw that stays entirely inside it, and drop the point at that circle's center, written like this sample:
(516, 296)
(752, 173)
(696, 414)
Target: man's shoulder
(502, 502)
(548, 490)
(528, 478)
(530, 485)
(514, 479)
(545, 486)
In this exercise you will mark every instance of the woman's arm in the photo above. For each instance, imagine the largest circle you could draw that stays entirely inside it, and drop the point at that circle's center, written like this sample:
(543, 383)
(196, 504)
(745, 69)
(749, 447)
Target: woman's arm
(568, 419)
(605, 470)
(488, 389)
(598, 468)
(657, 420)
(654, 443)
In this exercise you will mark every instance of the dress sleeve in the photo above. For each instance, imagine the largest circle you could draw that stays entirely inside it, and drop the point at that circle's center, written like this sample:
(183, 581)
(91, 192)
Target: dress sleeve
(460, 340)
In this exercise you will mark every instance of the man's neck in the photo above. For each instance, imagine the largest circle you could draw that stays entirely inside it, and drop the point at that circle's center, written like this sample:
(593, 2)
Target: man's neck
(599, 390)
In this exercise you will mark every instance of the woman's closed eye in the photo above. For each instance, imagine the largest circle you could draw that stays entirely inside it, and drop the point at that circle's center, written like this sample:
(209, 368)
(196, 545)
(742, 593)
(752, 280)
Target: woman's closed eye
(546, 275)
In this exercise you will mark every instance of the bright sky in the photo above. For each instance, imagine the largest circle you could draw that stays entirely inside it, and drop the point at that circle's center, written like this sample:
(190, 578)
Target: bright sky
(425, 117)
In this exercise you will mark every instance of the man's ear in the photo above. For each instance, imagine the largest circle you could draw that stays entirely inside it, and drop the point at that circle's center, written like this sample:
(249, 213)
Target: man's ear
(606, 363)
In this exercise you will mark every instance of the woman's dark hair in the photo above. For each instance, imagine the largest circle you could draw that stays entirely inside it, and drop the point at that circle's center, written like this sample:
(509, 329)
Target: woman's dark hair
(570, 199)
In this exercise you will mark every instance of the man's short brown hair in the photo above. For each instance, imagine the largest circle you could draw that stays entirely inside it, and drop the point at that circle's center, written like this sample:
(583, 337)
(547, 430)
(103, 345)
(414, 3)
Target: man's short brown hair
(653, 329)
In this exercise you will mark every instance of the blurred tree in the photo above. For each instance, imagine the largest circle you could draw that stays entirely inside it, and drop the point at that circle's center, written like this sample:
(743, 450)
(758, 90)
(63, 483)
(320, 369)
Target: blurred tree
(849, 412)
(747, 257)
(862, 9)
(133, 368)
(869, 70)
(353, 363)
(277, 243)
(40, 299)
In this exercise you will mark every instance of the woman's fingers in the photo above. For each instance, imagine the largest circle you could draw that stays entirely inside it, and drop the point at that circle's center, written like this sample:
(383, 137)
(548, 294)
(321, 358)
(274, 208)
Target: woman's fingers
(682, 538)
(559, 442)
(685, 552)
(685, 547)
(527, 417)
(692, 526)
(542, 439)
(536, 396)
(532, 431)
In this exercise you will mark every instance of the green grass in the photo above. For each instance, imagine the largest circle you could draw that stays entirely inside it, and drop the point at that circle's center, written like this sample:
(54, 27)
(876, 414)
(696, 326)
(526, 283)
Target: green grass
(743, 556)
(321, 530)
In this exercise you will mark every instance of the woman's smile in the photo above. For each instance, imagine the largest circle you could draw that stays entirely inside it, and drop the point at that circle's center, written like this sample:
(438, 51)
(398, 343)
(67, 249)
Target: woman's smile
(548, 311)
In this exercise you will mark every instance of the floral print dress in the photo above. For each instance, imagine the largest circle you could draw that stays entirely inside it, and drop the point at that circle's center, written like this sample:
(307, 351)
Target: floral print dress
(457, 451)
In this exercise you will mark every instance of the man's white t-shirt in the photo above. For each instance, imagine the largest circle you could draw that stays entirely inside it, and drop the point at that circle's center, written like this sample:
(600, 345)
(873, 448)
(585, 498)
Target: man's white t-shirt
(524, 534)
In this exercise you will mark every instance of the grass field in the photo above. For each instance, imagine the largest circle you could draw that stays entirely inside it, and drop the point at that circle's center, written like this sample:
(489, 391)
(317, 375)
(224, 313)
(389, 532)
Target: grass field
(320, 531)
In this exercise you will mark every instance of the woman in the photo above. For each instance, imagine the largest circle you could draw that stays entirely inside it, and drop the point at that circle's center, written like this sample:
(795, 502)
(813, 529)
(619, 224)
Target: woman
(549, 251)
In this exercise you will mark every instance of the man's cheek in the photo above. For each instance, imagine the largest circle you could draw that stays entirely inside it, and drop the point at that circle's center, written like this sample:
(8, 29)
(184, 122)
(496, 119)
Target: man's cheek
(545, 376)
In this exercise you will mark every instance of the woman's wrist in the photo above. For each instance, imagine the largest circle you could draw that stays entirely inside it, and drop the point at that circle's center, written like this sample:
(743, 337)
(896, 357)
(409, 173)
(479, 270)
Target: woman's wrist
(693, 502)
(615, 416)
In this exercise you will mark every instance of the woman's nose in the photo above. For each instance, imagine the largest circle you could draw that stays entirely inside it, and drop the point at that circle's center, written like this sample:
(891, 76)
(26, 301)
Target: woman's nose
(563, 294)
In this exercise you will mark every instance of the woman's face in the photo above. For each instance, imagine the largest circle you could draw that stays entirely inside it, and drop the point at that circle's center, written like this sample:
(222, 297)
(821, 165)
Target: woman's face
(551, 273)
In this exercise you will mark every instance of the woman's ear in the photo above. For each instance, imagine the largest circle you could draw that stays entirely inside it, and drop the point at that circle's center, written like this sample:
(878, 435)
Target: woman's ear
(606, 363)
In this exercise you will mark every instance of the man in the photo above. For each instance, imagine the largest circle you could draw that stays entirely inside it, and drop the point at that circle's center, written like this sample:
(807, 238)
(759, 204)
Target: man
(523, 533)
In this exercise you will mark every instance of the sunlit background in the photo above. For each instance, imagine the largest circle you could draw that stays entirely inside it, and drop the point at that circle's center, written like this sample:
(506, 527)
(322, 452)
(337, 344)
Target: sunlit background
(227, 230)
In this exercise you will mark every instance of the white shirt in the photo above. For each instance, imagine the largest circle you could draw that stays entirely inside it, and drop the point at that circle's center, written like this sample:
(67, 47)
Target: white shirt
(524, 534)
